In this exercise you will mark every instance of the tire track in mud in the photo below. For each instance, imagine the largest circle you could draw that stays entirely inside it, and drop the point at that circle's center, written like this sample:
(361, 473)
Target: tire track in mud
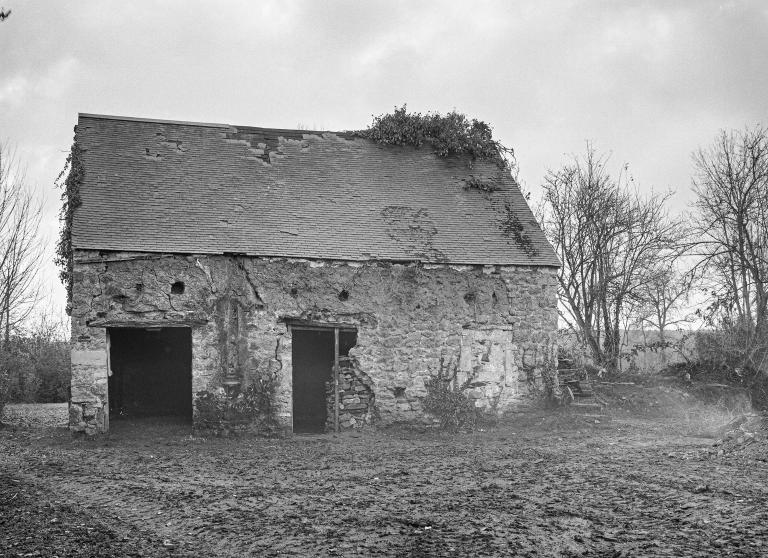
(604, 493)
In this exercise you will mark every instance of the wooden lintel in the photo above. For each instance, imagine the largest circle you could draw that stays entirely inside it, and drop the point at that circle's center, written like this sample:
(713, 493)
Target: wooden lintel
(325, 326)
(99, 322)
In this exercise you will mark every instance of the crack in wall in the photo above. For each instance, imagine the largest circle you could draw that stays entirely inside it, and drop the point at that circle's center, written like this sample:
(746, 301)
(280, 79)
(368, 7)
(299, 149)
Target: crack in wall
(406, 314)
(207, 272)
(254, 291)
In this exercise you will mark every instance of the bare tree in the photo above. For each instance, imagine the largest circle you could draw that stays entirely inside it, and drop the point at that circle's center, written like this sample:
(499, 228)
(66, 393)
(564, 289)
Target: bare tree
(664, 297)
(21, 249)
(731, 186)
(664, 300)
(610, 241)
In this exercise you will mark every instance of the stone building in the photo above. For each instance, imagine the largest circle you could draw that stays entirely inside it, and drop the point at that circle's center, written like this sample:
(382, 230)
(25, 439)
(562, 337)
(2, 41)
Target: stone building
(286, 280)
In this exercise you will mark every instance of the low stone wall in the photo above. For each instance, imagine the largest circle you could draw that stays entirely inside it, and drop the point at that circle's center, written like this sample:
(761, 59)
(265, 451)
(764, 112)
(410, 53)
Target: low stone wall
(497, 322)
(356, 398)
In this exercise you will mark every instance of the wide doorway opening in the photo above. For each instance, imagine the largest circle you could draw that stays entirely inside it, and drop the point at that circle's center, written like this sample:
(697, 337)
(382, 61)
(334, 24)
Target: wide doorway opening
(150, 372)
(314, 355)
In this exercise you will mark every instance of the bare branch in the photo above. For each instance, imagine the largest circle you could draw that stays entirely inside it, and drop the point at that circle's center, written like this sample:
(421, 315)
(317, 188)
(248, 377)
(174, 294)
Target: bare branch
(610, 241)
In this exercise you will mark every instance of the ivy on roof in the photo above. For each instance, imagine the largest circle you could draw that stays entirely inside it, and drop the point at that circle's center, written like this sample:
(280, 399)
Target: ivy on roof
(452, 134)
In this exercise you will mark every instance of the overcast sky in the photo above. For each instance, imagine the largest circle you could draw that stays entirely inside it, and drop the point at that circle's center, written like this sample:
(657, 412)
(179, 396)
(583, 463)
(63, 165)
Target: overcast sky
(648, 81)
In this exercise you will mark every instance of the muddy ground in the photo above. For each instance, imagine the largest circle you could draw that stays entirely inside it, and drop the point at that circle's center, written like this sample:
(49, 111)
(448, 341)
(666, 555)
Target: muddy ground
(538, 484)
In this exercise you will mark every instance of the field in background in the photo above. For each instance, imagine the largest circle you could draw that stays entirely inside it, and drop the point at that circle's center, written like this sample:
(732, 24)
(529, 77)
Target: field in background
(640, 348)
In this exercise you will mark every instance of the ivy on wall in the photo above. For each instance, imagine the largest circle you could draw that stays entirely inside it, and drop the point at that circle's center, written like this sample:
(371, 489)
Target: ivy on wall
(70, 197)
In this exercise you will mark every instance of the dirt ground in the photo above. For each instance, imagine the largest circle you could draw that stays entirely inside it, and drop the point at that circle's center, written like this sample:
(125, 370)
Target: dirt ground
(36, 415)
(539, 484)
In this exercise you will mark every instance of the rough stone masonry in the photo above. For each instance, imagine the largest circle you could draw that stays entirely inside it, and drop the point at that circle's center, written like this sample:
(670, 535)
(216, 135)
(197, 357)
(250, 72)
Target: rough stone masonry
(495, 324)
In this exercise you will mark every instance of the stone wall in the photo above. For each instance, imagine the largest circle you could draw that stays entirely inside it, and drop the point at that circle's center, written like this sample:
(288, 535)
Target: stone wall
(356, 398)
(496, 323)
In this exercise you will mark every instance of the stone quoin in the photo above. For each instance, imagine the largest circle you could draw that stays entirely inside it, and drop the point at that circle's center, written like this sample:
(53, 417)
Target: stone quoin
(277, 281)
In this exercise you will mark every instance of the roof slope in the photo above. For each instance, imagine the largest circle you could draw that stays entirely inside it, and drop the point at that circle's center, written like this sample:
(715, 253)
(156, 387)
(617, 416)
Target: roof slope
(162, 186)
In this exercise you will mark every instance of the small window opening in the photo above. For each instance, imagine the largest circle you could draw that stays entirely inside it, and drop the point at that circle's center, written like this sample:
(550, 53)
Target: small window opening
(344, 295)
(399, 392)
(177, 287)
(139, 287)
(469, 297)
(294, 291)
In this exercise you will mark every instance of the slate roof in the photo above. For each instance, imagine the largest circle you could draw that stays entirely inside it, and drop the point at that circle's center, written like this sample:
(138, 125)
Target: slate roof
(175, 187)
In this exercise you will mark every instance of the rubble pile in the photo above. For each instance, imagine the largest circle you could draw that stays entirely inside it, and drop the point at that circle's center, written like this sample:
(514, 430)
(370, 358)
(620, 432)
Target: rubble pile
(355, 398)
(740, 433)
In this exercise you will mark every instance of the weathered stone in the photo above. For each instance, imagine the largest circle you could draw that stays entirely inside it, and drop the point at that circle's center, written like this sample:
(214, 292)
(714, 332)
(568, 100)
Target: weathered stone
(407, 318)
(89, 358)
(75, 414)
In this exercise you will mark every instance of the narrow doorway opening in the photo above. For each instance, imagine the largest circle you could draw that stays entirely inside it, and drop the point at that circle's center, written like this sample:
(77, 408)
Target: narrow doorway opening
(150, 372)
(313, 356)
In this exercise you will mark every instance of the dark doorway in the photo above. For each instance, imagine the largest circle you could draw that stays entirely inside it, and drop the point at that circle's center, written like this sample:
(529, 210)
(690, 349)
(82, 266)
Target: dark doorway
(313, 357)
(151, 372)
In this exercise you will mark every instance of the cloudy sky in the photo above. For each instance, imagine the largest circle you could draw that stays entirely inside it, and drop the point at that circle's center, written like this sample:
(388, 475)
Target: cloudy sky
(647, 81)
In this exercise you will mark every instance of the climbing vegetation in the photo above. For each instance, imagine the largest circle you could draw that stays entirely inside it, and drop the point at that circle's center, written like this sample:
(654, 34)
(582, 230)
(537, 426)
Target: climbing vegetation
(513, 228)
(70, 197)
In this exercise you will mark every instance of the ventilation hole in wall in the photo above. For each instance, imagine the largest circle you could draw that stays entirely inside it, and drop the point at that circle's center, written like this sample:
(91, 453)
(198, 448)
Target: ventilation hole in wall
(469, 298)
(177, 287)
(494, 299)
(294, 291)
(399, 391)
(139, 287)
(344, 295)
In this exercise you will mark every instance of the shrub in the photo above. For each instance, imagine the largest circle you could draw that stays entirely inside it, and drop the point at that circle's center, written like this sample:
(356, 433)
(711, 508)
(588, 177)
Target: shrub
(251, 408)
(734, 347)
(448, 401)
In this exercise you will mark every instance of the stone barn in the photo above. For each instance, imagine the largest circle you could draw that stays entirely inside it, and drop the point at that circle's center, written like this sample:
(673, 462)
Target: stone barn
(282, 281)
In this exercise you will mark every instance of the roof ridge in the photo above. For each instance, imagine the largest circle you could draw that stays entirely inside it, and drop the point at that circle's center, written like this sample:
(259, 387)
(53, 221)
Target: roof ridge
(153, 120)
(206, 124)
